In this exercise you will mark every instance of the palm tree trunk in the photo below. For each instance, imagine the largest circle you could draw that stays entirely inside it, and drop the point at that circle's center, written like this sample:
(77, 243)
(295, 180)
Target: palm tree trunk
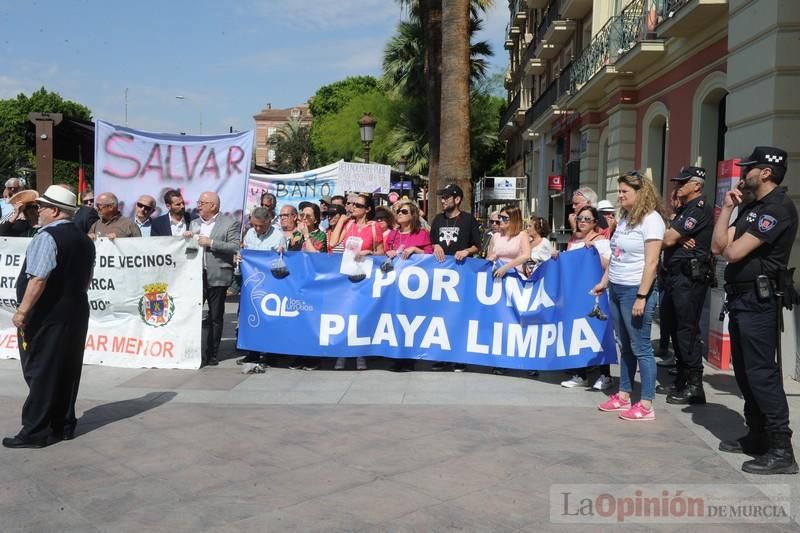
(454, 157)
(431, 16)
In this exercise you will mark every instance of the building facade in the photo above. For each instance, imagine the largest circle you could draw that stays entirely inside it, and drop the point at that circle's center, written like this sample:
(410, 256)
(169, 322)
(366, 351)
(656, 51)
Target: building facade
(268, 121)
(600, 87)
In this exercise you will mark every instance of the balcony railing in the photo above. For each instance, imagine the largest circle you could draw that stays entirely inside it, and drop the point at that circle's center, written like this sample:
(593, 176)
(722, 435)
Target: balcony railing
(564, 80)
(620, 34)
(542, 104)
(508, 115)
(667, 8)
(552, 14)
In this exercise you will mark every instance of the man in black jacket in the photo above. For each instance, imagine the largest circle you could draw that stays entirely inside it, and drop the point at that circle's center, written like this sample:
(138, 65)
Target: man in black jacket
(175, 221)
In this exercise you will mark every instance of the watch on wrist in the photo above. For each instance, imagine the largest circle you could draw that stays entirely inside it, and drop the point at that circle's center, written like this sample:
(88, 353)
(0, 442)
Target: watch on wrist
(641, 296)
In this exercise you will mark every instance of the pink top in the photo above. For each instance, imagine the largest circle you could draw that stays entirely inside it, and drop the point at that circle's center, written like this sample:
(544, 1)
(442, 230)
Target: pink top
(371, 235)
(507, 249)
(420, 239)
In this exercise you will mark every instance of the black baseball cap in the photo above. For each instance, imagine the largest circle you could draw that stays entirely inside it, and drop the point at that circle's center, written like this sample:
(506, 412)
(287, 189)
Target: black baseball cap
(451, 190)
(765, 155)
(688, 173)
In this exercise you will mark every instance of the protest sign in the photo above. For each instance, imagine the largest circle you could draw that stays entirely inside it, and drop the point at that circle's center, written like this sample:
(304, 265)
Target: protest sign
(145, 302)
(424, 309)
(291, 189)
(362, 177)
(130, 163)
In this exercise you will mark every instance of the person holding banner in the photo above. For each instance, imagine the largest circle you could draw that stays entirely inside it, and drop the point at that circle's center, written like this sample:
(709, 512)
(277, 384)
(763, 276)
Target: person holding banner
(630, 279)
(408, 237)
(52, 319)
(359, 225)
(314, 239)
(588, 220)
(456, 233)
(112, 224)
(176, 221)
(294, 238)
(510, 244)
(218, 235)
(335, 213)
(541, 247)
(145, 206)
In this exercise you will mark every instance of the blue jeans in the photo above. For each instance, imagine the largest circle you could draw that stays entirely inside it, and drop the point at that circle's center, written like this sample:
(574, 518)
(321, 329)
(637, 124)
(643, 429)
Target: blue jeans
(634, 338)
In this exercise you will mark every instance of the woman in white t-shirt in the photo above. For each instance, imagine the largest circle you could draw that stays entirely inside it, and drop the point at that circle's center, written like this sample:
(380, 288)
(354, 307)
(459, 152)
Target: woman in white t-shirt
(630, 279)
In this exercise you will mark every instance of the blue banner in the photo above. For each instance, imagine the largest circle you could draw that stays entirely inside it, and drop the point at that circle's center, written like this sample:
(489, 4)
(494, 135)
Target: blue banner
(423, 309)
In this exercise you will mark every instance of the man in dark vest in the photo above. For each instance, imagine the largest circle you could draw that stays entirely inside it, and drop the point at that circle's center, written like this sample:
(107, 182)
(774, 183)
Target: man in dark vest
(52, 318)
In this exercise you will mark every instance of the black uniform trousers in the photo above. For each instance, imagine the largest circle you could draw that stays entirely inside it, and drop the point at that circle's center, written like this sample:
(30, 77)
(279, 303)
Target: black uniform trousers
(52, 362)
(753, 329)
(666, 320)
(215, 297)
(681, 307)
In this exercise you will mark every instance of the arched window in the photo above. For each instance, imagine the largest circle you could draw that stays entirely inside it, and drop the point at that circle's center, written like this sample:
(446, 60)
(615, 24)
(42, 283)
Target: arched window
(655, 127)
(708, 126)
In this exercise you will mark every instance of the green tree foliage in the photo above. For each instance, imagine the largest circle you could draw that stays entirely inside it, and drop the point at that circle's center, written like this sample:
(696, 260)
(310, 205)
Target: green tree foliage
(331, 98)
(336, 136)
(292, 144)
(14, 153)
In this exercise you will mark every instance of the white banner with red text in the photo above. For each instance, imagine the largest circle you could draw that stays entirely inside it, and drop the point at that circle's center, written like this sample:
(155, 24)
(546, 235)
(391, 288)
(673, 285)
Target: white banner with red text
(130, 163)
(145, 302)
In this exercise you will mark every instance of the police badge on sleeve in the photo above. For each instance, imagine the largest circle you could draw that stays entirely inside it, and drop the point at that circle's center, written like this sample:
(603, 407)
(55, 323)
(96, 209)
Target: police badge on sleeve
(766, 223)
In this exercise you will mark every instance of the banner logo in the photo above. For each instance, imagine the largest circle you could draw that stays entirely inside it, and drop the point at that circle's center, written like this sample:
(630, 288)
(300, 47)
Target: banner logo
(155, 306)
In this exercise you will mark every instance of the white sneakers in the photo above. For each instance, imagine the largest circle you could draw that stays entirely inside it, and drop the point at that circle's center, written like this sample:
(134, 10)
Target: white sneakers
(574, 381)
(603, 383)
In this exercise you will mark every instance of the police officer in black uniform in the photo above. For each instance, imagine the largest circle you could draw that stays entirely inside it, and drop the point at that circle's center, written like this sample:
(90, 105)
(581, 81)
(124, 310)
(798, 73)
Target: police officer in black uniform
(685, 276)
(757, 248)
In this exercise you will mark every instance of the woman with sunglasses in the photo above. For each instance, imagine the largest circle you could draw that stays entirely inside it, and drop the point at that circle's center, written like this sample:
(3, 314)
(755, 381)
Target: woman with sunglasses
(359, 223)
(587, 221)
(384, 217)
(314, 239)
(630, 279)
(409, 237)
(510, 244)
(24, 220)
(492, 223)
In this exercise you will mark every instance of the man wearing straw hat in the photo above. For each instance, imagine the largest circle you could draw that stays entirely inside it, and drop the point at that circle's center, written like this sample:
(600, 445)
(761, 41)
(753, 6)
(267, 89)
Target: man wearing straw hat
(52, 318)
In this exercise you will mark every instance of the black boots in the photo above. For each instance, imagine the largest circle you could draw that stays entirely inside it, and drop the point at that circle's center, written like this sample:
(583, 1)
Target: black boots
(756, 442)
(692, 393)
(779, 458)
(678, 384)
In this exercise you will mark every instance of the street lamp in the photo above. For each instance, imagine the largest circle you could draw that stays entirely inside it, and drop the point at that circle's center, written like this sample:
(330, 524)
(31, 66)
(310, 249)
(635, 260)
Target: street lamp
(367, 126)
(200, 111)
(402, 165)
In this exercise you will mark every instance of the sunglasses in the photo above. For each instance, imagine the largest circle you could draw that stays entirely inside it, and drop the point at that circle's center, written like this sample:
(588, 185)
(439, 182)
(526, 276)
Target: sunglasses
(503, 218)
(144, 206)
(494, 222)
(90, 201)
(359, 206)
(584, 219)
(403, 212)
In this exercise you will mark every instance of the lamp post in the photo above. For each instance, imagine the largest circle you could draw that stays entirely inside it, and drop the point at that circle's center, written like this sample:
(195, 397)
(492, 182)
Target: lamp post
(199, 111)
(402, 165)
(367, 126)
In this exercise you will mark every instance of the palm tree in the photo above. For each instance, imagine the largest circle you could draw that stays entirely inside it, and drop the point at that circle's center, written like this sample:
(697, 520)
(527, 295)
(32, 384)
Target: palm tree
(454, 160)
(412, 67)
(292, 144)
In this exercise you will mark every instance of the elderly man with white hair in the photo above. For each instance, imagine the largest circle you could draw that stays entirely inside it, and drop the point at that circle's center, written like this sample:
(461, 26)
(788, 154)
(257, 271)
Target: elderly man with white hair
(112, 224)
(218, 235)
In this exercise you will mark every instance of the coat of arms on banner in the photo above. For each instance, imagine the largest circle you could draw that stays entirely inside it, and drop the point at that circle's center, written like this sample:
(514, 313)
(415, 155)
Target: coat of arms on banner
(156, 307)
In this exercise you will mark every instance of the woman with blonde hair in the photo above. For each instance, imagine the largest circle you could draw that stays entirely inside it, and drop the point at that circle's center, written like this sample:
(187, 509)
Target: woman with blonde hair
(510, 243)
(630, 279)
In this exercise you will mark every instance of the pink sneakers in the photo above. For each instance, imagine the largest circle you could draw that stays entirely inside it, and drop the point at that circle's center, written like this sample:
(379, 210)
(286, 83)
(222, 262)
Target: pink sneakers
(638, 412)
(615, 403)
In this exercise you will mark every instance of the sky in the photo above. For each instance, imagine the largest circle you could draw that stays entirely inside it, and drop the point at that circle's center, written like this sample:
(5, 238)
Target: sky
(227, 59)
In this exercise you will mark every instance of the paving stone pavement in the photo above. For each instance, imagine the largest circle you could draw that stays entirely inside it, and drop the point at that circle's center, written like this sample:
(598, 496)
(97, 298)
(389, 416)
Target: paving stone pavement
(219, 451)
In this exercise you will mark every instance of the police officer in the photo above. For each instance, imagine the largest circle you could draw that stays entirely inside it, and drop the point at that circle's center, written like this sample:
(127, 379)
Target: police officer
(685, 275)
(757, 248)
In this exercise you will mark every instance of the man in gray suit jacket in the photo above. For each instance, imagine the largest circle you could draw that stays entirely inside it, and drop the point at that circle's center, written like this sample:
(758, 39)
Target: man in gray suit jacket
(218, 235)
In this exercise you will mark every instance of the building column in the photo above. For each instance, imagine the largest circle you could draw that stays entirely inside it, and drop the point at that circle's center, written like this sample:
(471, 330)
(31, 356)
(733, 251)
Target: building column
(763, 108)
(621, 144)
(590, 158)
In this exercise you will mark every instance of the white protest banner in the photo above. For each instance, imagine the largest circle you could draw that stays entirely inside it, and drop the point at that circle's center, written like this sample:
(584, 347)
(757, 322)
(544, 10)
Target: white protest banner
(145, 301)
(292, 189)
(130, 163)
(361, 177)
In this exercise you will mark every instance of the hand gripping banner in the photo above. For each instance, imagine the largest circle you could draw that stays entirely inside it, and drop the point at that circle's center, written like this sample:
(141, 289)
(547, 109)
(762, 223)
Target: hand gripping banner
(327, 305)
